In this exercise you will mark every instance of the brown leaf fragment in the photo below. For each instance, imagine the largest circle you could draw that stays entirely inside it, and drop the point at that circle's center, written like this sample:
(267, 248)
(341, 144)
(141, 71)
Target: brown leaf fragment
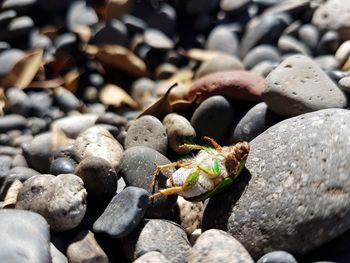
(200, 54)
(11, 195)
(3, 101)
(116, 96)
(59, 138)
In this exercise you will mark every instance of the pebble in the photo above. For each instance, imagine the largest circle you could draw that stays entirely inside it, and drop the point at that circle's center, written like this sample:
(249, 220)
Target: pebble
(61, 200)
(150, 236)
(12, 122)
(19, 160)
(327, 62)
(344, 83)
(134, 24)
(25, 237)
(288, 44)
(5, 165)
(123, 213)
(217, 246)
(147, 131)
(309, 34)
(297, 175)
(66, 100)
(179, 131)
(80, 14)
(277, 257)
(253, 122)
(164, 19)
(18, 27)
(190, 214)
(114, 32)
(218, 64)
(232, 6)
(328, 43)
(41, 103)
(98, 142)
(264, 68)
(8, 59)
(235, 85)
(213, 118)
(19, 101)
(62, 165)
(11, 151)
(221, 38)
(38, 152)
(137, 167)
(56, 255)
(84, 248)
(112, 118)
(142, 88)
(156, 39)
(298, 85)
(99, 177)
(260, 54)
(152, 257)
(343, 52)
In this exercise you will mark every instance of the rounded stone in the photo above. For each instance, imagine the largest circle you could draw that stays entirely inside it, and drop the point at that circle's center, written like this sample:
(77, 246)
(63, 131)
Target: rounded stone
(114, 32)
(10, 122)
(217, 64)
(98, 142)
(328, 43)
(179, 131)
(61, 200)
(123, 213)
(62, 165)
(19, 101)
(217, 246)
(41, 102)
(147, 131)
(19, 160)
(175, 248)
(8, 59)
(296, 177)
(66, 100)
(18, 27)
(277, 257)
(190, 214)
(79, 14)
(99, 177)
(327, 62)
(309, 34)
(288, 44)
(152, 257)
(260, 54)
(233, 6)
(137, 167)
(212, 118)
(221, 38)
(344, 84)
(298, 85)
(157, 40)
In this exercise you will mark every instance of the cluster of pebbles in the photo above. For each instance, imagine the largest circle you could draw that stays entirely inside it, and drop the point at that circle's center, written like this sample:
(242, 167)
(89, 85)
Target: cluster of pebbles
(89, 108)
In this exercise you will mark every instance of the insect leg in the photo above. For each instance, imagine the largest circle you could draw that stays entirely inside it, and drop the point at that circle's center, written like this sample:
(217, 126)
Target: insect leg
(167, 191)
(212, 142)
(193, 146)
(215, 169)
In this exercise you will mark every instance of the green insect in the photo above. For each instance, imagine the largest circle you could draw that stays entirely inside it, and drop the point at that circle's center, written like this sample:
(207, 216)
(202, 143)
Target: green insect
(212, 170)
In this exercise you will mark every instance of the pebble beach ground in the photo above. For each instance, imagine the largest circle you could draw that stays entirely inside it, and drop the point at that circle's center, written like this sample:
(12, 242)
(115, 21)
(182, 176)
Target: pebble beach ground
(95, 94)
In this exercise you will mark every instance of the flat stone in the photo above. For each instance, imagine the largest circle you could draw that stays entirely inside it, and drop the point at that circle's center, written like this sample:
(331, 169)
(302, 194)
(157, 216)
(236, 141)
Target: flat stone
(12, 122)
(8, 59)
(298, 85)
(217, 246)
(234, 84)
(61, 200)
(296, 177)
(151, 235)
(19, 101)
(66, 100)
(277, 257)
(137, 167)
(25, 237)
(124, 213)
(152, 257)
(147, 131)
(221, 38)
(260, 54)
(157, 39)
(288, 44)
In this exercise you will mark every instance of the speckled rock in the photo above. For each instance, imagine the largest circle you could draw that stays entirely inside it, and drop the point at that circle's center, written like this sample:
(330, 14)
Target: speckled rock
(147, 131)
(98, 142)
(179, 131)
(138, 165)
(212, 118)
(298, 177)
(235, 85)
(190, 214)
(152, 257)
(150, 236)
(61, 200)
(298, 85)
(217, 64)
(84, 248)
(277, 257)
(25, 237)
(217, 246)
(124, 213)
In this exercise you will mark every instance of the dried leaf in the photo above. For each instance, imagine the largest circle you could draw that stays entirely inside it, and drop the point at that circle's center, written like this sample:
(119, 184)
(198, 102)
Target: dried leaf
(116, 96)
(11, 195)
(119, 57)
(3, 101)
(46, 84)
(200, 54)
(117, 8)
(24, 71)
(184, 105)
(59, 138)
(71, 80)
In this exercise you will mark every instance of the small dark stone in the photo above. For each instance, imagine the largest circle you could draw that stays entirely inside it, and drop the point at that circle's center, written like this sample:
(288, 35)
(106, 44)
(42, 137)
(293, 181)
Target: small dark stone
(12, 122)
(260, 54)
(63, 165)
(66, 100)
(221, 38)
(19, 101)
(114, 32)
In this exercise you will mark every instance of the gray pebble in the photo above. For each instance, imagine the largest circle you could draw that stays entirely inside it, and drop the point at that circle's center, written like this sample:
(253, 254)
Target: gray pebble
(123, 213)
(62, 165)
(19, 160)
(264, 68)
(328, 43)
(80, 13)
(41, 102)
(221, 38)
(327, 62)
(217, 246)
(147, 131)
(164, 19)
(11, 151)
(8, 59)
(5, 165)
(288, 44)
(61, 200)
(56, 255)
(277, 257)
(260, 54)
(18, 27)
(152, 257)
(309, 34)
(66, 100)
(232, 6)
(19, 101)
(157, 40)
(12, 122)
(114, 32)
(344, 84)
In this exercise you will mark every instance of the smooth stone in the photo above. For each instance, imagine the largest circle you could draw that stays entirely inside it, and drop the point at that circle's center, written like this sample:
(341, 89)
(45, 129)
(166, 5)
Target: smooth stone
(289, 44)
(23, 138)
(157, 39)
(152, 257)
(99, 177)
(56, 255)
(218, 246)
(41, 102)
(190, 214)
(8, 59)
(12, 122)
(62, 165)
(66, 150)
(147, 131)
(234, 84)
(344, 83)
(232, 6)
(19, 160)
(72, 126)
(37, 125)
(334, 14)
(19, 101)
(195, 235)
(217, 64)
(179, 131)
(165, 71)
(164, 19)
(337, 75)
(123, 213)
(18, 27)
(343, 52)
(296, 177)
(25, 237)
(327, 62)
(137, 167)
(11, 151)
(175, 248)
(5, 165)
(79, 14)
(328, 43)
(61, 200)
(264, 68)
(298, 85)
(277, 257)
(260, 54)
(112, 118)
(37, 40)
(7, 16)
(221, 38)
(212, 118)
(253, 122)
(114, 32)
(84, 248)
(66, 44)
(38, 152)
(134, 24)
(142, 88)
(66, 100)
(309, 34)
(98, 142)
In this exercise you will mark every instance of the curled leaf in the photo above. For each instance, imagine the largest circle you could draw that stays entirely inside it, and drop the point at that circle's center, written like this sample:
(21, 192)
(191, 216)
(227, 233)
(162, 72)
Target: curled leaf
(116, 96)
(11, 195)
(46, 84)
(3, 101)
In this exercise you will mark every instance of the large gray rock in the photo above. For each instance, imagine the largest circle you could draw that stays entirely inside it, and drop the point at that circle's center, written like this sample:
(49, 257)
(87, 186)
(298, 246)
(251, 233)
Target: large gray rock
(295, 194)
(298, 85)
